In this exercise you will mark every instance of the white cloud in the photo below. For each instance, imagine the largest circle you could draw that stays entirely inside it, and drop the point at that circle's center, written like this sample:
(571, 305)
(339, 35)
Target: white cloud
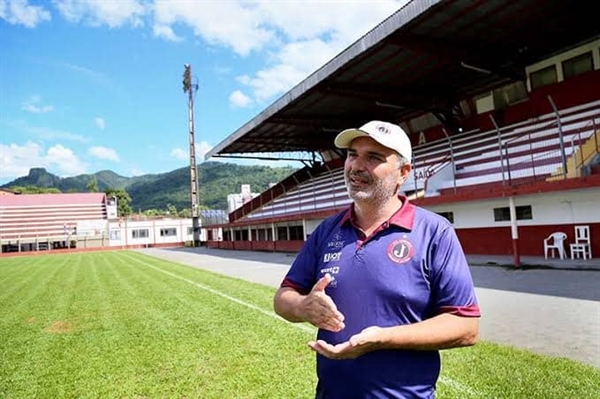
(239, 99)
(137, 172)
(44, 133)
(16, 160)
(65, 160)
(179, 154)
(37, 109)
(33, 105)
(20, 12)
(201, 149)
(100, 122)
(104, 153)
(165, 32)
(114, 14)
(239, 25)
(304, 36)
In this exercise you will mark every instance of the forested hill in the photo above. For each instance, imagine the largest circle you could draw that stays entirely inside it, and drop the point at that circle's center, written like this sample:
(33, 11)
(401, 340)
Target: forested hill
(157, 191)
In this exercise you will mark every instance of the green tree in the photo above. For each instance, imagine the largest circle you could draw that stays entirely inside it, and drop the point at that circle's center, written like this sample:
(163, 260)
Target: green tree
(123, 200)
(34, 190)
(92, 186)
(185, 213)
(171, 210)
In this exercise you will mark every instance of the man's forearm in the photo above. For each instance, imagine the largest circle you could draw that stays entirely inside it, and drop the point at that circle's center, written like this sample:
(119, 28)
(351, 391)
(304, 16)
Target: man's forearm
(286, 304)
(444, 331)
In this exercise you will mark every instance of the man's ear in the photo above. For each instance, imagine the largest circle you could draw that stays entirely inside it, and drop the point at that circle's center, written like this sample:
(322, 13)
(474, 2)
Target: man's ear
(405, 171)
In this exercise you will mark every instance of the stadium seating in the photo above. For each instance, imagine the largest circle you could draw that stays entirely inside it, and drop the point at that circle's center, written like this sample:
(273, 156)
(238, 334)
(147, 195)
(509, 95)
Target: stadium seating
(42, 221)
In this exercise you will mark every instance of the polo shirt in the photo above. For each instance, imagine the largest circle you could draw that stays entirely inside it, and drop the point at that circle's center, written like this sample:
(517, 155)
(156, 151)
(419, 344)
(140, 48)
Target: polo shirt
(409, 269)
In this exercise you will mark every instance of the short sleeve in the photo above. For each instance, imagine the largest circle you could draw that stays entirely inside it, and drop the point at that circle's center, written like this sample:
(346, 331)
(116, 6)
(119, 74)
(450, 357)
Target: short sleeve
(452, 283)
(301, 275)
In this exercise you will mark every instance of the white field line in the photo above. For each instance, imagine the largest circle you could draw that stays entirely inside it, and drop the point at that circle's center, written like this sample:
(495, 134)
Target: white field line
(223, 295)
(444, 380)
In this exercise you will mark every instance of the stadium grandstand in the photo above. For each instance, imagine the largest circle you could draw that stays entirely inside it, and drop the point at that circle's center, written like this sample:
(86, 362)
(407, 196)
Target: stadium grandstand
(88, 221)
(501, 101)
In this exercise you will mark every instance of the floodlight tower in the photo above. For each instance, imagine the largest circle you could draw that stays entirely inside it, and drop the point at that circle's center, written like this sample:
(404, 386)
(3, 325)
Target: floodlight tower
(190, 88)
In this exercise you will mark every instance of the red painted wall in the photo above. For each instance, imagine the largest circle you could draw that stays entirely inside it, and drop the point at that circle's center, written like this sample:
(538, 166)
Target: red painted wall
(498, 240)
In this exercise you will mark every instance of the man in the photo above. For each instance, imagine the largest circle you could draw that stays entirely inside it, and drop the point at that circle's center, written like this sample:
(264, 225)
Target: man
(386, 282)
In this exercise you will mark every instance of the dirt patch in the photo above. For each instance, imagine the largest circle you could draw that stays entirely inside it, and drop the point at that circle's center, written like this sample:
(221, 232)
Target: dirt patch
(31, 320)
(59, 327)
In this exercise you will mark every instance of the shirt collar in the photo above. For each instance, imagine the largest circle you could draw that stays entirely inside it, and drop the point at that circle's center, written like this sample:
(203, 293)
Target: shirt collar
(404, 217)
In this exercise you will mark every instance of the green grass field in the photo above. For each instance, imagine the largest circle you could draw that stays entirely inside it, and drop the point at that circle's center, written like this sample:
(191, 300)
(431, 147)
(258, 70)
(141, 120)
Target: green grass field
(125, 325)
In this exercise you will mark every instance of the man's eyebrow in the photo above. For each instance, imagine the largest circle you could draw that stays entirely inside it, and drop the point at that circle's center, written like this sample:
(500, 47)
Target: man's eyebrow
(377, 153)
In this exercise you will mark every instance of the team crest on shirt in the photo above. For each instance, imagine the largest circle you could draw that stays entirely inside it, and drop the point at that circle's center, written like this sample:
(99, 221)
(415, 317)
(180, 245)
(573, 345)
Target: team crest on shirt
(401, 251)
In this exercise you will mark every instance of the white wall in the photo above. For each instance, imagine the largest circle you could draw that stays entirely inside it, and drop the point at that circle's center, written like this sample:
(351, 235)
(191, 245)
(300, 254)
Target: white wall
(126, 228)
(564, 207)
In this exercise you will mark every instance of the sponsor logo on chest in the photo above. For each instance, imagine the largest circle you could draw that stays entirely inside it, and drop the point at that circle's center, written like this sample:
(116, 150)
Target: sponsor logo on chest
(331, 256)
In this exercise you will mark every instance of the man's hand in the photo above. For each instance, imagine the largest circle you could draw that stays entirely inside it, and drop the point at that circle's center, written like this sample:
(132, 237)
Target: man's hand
(365, 341)
(319, 310)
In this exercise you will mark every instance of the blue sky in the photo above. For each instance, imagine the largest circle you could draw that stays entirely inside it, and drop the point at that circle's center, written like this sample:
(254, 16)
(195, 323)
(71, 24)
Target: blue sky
(90, 85)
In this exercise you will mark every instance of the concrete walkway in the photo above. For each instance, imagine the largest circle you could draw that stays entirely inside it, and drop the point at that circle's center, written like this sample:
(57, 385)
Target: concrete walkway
(549, 309)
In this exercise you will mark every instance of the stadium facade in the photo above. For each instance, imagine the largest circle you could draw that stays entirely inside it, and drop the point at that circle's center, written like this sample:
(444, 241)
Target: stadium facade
(501, 101)
(89, 221)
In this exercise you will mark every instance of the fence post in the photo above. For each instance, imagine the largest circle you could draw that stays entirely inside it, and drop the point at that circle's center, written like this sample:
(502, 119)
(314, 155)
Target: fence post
(451, 159)
(499, 148)
(560, 137)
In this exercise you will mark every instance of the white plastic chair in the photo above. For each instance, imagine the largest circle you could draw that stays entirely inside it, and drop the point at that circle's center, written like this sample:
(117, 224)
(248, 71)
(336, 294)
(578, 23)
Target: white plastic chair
(582, 247)
(555, 241)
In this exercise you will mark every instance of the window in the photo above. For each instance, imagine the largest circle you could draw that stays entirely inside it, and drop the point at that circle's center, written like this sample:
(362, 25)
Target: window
(503, 214)
(139, 233)
(168, 232)
(190, 231)
(115, 234)
(543, 77)
(447, 215)
(578, 65)
(296, 233)
(282, 233)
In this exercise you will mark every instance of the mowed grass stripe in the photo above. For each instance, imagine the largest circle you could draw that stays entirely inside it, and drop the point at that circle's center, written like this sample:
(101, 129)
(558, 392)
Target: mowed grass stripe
(229, 297)
(453, 385)
(135, 333)
(131, 330)
(474, 372)
(23, 274)
(257, 294)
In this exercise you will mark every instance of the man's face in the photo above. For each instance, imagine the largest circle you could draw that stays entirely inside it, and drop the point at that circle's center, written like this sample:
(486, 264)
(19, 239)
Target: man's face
(372, 171)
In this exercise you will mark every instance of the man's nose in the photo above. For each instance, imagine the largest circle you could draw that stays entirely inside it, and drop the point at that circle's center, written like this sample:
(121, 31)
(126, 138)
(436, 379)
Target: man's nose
(357, 164)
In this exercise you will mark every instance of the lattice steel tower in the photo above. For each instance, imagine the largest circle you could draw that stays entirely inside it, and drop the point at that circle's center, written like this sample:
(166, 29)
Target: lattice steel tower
(191, 88)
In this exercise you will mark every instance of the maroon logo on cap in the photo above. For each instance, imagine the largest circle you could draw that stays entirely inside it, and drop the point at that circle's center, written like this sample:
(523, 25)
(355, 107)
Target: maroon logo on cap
(400, 251)
(383, 129)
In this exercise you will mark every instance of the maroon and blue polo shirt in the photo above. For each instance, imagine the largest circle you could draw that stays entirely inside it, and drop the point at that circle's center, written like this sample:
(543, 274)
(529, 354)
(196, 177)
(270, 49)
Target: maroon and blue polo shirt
(410, 269)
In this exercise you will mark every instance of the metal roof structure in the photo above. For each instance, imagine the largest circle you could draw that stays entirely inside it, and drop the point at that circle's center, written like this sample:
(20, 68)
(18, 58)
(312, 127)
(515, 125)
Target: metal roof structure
(425, 58)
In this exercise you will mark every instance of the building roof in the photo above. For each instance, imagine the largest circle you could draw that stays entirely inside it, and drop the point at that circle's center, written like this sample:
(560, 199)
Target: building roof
(51, 199)
(423, 59)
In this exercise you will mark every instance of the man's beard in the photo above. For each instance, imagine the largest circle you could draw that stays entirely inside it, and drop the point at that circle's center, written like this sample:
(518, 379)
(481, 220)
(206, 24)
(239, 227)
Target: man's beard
(374, 191)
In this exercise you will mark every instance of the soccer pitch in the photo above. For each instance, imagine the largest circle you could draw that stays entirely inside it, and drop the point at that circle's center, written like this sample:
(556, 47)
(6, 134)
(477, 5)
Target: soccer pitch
(126, 325)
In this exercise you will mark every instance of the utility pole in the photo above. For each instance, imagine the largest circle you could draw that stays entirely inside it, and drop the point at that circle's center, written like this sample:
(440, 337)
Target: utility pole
(190, 88)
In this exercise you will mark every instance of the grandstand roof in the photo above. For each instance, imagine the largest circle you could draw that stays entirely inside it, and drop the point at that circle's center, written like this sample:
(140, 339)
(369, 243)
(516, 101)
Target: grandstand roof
(424, 58)
(51, 199)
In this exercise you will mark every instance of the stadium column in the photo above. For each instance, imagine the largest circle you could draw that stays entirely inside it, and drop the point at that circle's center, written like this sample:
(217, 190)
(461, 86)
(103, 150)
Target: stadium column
(514, 231)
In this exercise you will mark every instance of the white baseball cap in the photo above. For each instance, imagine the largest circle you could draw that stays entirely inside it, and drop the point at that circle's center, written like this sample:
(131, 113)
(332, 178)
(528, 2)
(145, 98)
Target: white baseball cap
(385, 133)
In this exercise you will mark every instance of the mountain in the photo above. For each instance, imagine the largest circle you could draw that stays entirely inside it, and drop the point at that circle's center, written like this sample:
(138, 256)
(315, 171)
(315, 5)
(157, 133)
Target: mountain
(157, 191)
